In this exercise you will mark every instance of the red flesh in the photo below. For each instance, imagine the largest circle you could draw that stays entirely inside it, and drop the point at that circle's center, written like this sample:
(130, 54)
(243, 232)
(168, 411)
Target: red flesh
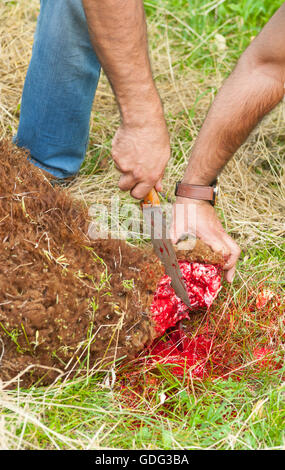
(203, 282)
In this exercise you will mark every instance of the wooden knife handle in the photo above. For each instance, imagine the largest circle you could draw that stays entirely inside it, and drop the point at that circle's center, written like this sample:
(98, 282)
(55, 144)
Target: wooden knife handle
(152, 198)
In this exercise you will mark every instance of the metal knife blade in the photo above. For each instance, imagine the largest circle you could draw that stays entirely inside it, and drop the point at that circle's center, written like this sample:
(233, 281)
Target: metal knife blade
(163, 248)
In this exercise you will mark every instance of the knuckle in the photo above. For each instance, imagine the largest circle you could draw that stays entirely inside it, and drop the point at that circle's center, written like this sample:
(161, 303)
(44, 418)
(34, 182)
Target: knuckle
(122, 186)
(137, 194)
(226, 252)
(138, 174)
(237, 251)
(126, 184)
(155, 178)
(121, 165)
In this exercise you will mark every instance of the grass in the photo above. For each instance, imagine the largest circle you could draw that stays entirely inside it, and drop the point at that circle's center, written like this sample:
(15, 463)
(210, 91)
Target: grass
(194, 25)
(194, 46)
(224, 415)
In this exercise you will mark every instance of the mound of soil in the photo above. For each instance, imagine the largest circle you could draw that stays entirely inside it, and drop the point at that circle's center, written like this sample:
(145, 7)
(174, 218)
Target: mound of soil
(66, 303)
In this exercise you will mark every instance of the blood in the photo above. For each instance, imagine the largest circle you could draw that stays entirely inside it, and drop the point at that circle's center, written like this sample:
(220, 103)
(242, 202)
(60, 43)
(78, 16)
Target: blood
(194, 354)
(264, 357)
(263, 297)
(203, 282)
(187, 354)
(166, 249)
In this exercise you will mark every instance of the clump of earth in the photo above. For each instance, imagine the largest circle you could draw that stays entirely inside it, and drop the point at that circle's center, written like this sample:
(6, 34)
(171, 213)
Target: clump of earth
(68, 303)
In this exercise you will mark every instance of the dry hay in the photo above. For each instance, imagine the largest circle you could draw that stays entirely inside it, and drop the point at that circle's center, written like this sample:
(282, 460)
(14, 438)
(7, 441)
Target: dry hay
(252, 186)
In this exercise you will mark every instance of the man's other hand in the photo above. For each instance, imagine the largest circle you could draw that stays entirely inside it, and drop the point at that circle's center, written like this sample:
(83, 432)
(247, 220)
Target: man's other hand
(141, 152)
(200, 219)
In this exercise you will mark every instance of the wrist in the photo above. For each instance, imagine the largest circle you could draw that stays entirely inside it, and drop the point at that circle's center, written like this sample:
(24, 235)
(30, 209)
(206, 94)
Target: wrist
(198, 180)
(201, 171)
(142, 107)
(192, 177)
(196, 202)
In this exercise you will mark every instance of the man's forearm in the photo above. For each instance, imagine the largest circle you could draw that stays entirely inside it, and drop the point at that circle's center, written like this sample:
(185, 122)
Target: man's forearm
(141, 146)
(119, 36)
(254, 88)
(251, 91)
(245, 98)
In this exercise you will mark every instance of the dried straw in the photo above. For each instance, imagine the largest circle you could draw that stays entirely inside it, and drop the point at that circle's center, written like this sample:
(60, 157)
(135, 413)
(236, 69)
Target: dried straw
(252, 185)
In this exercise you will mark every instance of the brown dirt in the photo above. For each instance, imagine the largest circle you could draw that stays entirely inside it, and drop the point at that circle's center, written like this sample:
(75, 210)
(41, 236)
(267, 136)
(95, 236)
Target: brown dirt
(62, 296)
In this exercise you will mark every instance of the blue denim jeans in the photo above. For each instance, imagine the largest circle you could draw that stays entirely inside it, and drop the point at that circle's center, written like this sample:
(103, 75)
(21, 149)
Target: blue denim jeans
(59, 89)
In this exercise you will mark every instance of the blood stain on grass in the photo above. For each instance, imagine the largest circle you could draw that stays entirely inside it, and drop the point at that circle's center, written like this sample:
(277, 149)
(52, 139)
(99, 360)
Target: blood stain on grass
(183, 353)
(263, 355)
(216, 348)
(263, 297)
(266, 359)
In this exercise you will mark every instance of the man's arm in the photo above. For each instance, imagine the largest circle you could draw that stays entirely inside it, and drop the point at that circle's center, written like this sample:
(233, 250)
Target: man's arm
(252, 90)
(141, 147)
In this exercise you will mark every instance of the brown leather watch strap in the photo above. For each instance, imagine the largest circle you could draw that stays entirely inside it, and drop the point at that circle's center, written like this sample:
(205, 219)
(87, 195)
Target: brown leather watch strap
(195, 191)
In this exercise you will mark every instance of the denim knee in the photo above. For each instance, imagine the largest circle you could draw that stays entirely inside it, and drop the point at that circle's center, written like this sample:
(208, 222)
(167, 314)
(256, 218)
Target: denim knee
(59, 88)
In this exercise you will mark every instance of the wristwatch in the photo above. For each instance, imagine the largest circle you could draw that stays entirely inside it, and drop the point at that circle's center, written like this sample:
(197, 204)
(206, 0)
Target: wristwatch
(197, 191)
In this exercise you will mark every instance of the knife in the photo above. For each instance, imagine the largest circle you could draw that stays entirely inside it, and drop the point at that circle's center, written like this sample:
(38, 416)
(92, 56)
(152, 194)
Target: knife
(156, 222)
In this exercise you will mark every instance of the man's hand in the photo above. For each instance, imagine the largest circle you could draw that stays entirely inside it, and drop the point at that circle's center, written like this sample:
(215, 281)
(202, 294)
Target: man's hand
(141, 153)
(200, 219)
